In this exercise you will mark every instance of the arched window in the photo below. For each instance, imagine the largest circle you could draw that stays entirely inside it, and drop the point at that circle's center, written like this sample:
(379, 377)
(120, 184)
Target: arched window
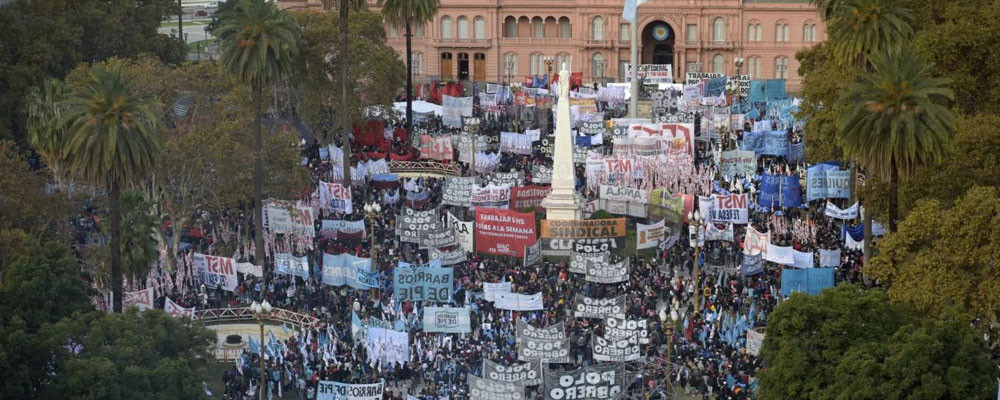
(718, 64)
(719, 29)
(781, 32)
(538, 27)
(597, 65)
(754, 32)
(418, 63)
(562, 59)
(781, 68)
(463, 27)
(809, 33)
(510, 27)
(565, 29)
(597, 28)
(445, 27)
(418, 30)
(479, 28)
(510, 64)
(753, 67)
(537, 64)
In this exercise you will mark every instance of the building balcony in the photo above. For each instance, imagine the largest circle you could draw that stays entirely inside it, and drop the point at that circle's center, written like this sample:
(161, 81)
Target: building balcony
(466, 43)
(535, 41)
(718, 45)
(599, 43)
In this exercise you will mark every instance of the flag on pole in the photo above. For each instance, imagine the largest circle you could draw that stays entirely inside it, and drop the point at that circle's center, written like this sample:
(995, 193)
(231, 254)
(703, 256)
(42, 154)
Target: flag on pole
(631, 8)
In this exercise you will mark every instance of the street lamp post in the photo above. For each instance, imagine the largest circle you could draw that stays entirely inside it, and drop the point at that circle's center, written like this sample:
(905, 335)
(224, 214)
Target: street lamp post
(668, 325)
(548, 63)
(695, 219)
(261, 312)
(372, 211)
(473, 124)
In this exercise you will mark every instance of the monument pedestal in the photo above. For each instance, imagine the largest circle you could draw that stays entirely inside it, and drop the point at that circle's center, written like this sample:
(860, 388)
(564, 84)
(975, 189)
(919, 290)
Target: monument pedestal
(562, 207)
(563, 203)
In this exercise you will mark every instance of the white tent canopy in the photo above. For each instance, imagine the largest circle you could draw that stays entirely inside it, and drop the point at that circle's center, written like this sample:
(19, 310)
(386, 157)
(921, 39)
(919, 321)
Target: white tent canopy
(419, 107)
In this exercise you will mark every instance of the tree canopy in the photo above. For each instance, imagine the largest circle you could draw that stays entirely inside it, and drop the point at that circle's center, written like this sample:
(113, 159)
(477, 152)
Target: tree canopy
(852, 343)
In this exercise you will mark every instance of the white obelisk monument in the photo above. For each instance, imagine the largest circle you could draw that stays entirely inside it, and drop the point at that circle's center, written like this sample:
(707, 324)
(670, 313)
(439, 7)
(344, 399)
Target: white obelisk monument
(563, 203)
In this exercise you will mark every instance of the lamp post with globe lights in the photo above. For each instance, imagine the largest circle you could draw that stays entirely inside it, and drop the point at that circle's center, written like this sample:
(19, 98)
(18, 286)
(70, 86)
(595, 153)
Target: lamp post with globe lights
(372, 211)
(261, 312)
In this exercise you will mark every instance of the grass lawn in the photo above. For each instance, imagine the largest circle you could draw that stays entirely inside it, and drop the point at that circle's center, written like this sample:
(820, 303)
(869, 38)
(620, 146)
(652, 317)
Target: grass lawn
(193, 46)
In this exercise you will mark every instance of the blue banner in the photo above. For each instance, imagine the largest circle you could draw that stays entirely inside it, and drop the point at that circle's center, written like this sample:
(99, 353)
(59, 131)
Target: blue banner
(418, 196)
(827, 181)
(346, 269)
(809, 281)
(714, 87)
(752, 265)
(385, 178)
(796, 152)
(779, 191)
(768, 143)
(427, 282)
(774, 89)
(757, 94)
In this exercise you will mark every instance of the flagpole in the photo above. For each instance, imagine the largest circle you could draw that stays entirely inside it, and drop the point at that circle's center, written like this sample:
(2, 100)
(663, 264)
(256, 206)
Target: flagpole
(633, 105)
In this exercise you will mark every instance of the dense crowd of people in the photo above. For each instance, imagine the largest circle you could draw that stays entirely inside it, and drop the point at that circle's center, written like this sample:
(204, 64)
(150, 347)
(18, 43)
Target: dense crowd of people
(707, 345)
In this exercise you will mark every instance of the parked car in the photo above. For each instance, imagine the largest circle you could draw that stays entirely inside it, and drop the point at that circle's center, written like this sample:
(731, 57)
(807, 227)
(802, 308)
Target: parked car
(211, 4)
(201, 13)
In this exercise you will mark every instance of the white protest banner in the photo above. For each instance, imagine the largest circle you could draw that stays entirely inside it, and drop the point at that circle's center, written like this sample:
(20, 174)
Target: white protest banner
(142, 299)
(303, 221)
(515, 143)
(447, 320)
(215, 271)
(491, 289)
(453, 109)
(465, 231)
(486, 389)
(511, 179)
(541, 174)
(552, 332)
(608, 273)
(448, 257)
(436, 148)
(756, 242)
(437, 238)
(639, 146)
(803, 259)
(738, 162)
(780, 254)
(651, 74)
(833, 211)
(627, 349)
(458, 191)
(526, 374)
(491, 196)
(277, 217)
(176, 310)
(829, 258)
(591, 383)
(620, 328)
(343, 230)
(586, 307)
(579, 260)
(518, 302)
(648, 236)
(330, 390)
(731, 208)
(624, 194)
(249, 269)
(754, 342)
(335, 197)
(712, 232)
(287, 264)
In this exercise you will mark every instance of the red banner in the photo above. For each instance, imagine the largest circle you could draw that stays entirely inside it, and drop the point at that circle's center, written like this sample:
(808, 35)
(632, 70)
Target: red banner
(528, 196)
(437, 148)
(504, 232)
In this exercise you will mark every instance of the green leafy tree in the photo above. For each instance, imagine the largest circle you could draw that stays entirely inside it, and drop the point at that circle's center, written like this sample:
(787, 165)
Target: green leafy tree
(45, 134)
(408, 13)
(138, 236)
(260, 42)
(943, 256)
(113, 140)
(134, 355)
(45, 39)
(897, 119)
(375, 75)
(859, 29)
(823, 80)
(344, 8)
(27, 211)
(42, 285)
(851, 343)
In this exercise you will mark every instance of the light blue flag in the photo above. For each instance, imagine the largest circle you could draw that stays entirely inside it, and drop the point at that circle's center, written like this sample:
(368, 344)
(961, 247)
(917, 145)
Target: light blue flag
(631, 8)
(254, 346)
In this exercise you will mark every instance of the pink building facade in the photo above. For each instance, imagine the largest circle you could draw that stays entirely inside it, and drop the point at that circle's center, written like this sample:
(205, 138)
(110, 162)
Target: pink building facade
(507, 40)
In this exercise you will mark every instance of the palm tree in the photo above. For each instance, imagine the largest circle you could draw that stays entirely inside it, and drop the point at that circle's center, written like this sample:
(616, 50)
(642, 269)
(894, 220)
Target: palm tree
(827, 8)
(112, 140)
(407, 13)
(260, 43)
(45, 134)
(344, 7)
(859, 28)
(898, 118)
(138, 235)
